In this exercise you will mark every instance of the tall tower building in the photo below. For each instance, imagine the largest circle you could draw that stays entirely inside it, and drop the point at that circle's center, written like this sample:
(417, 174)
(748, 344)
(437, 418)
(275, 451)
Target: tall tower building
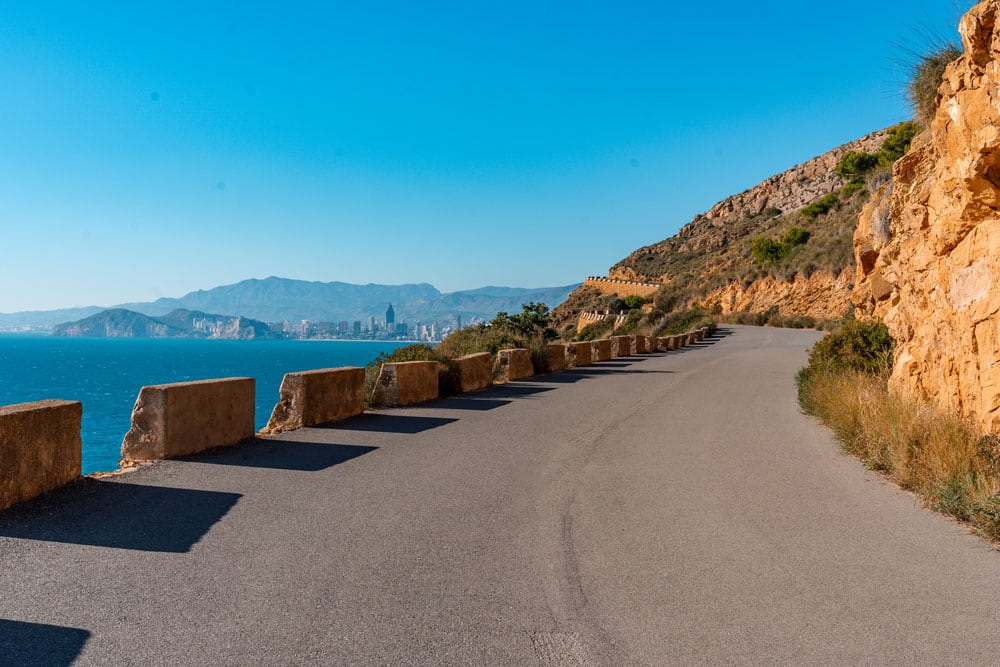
(390, 319)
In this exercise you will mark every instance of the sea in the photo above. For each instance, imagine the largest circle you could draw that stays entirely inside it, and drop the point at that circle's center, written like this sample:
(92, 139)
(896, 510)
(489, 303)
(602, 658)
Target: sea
(106, 374)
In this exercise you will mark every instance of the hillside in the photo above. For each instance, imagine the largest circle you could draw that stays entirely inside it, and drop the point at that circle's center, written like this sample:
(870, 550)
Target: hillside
(711, 260)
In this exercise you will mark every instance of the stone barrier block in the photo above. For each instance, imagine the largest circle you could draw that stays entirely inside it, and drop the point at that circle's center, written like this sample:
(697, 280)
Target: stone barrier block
(171, 420)
(317, 397)
(406, 383)
(639, 344)
(514, 364)
(600, 350)
(621, 346)
(663, 343)
(556, 354)
(475, 371)
(692, 337)
(680, 340)
(39, 448)
(578, 354)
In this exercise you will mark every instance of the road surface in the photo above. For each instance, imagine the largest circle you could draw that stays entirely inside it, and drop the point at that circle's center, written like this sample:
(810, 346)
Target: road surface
(665, 509)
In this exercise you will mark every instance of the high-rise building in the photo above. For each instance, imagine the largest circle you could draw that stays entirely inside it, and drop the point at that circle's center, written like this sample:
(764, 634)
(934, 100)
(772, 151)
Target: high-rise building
(357, 326)
(390, 319)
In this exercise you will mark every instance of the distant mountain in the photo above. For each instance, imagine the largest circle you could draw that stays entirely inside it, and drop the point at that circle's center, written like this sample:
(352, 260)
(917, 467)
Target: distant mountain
(179, 323)
(44, 318)
(117, 323)
(281, 299)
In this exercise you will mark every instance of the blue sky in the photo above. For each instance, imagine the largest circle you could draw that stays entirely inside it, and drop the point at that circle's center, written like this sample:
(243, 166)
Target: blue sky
(150, 149)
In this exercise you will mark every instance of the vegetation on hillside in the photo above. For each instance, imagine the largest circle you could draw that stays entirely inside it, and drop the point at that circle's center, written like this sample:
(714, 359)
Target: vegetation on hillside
(925, 78)
(948, 462)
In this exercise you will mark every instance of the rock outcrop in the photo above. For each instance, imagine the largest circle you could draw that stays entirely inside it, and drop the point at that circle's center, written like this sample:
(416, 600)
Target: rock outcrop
(928, 244)
(822, 296)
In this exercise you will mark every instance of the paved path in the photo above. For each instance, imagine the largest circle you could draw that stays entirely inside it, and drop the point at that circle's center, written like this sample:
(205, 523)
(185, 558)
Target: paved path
(669, 509)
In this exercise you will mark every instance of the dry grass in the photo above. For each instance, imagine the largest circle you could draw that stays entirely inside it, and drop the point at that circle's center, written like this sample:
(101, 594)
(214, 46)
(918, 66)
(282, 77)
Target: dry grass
(945, 460)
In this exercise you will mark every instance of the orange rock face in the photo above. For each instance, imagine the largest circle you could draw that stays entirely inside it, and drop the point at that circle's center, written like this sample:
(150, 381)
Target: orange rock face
(928, 243)
(822, 296)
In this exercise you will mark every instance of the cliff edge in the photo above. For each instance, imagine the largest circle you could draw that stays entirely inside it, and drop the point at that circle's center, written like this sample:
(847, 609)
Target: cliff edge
(927, 245)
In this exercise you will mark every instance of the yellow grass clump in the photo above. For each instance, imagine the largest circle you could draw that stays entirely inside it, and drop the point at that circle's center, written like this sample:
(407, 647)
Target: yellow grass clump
(953, 467)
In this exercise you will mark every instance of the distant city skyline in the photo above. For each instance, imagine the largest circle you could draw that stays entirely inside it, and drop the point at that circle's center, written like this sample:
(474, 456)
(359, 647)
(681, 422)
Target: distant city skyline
(459, 144)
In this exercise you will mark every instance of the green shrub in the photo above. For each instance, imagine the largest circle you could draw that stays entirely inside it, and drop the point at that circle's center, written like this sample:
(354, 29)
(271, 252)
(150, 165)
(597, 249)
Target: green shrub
(795, 236)
(897, 143)
(632, 302)
(853, 165)
(596, 330)
(849, 189)
(682, 322)
(925, 79)
(768, 251)
(859, 345)
(820, 206)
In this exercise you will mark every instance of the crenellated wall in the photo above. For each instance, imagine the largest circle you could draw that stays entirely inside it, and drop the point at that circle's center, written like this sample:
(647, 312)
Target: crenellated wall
(622, 288)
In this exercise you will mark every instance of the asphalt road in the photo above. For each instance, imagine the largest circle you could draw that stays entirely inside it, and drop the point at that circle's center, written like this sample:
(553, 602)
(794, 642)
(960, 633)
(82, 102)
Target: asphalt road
(665, 509)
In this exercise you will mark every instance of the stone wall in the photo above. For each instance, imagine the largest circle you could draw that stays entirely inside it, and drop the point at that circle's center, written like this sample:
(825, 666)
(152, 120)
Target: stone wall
(621, 346)
(514, 364)
(928, 243)
(622, 288)
(171, 420)
(556, 353)
(406, 383)
(600, 350)
(318, 397)
(578, 354)
(475, 371)
(39, 448)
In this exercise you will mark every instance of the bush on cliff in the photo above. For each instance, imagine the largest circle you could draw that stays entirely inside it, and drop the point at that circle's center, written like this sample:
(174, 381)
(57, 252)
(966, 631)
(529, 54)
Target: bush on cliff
(953, 467)
(925, 79)
(527, 329)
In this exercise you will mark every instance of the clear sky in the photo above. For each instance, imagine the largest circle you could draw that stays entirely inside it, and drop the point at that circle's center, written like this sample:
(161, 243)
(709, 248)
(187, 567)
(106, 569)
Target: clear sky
(151, 149)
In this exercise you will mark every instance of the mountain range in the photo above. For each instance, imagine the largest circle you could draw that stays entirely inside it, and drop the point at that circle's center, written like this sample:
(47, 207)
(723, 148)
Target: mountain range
(281, 299)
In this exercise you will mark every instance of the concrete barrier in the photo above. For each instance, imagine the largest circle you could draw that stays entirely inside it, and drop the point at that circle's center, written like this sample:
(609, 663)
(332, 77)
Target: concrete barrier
(39, 448)
(556, 353)
(171, 420)
(600, 350)
(578, 354)
(663, 343)
(514, 364)
(621, 346)
(692, 338)
(317, 397)
(679, 341)
(639, 344)
(475, 371)
(406, 383)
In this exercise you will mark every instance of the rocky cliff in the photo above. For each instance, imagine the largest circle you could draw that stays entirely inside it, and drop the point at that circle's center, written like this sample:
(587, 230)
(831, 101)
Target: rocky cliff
(928, 244)
(710, 260)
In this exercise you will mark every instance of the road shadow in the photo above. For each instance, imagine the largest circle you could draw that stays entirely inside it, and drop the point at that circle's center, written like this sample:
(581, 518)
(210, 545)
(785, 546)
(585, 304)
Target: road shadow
(39, 645)
(470, 402)
(118, 515)
(280, 454)
(378, 422)
(520, 389)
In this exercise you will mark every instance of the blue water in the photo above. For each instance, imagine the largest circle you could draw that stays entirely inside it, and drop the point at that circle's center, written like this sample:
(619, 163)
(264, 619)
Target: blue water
(105, 374)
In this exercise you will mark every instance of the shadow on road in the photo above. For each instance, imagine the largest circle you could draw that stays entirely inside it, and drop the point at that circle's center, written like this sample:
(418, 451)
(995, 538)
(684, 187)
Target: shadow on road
(104, 513)
(389, 423)
(37, 644)
(281, 455)
(469, 402)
